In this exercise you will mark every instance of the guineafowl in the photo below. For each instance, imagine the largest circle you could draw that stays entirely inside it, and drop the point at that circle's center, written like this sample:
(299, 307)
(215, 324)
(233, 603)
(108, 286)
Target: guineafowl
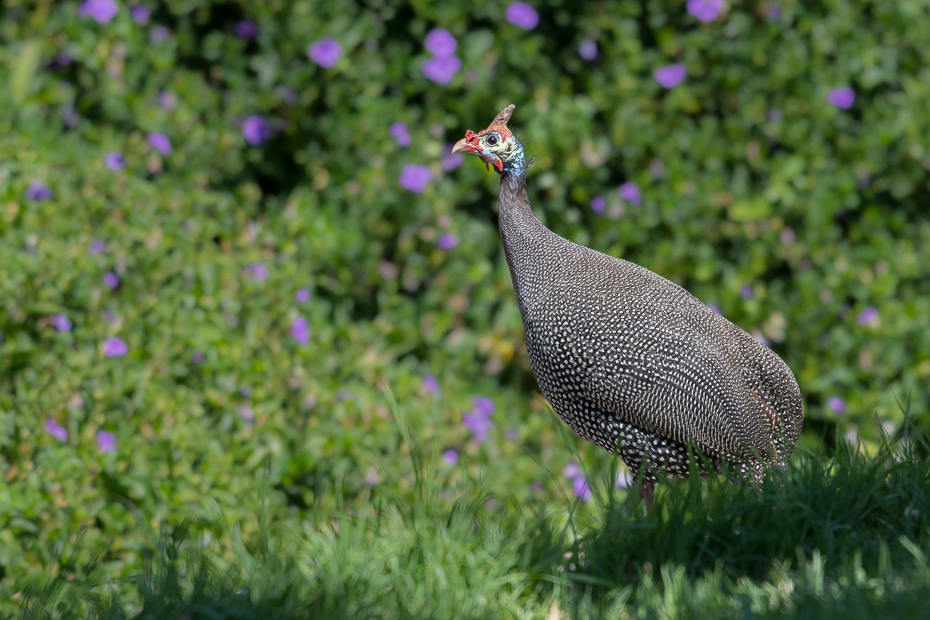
(631, 361)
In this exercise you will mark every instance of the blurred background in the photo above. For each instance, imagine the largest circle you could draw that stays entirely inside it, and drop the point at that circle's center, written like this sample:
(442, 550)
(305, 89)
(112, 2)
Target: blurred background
(226, 227)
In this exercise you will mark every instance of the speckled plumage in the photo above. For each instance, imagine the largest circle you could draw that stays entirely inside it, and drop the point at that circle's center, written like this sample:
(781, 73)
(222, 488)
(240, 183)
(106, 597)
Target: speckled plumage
(633, 362)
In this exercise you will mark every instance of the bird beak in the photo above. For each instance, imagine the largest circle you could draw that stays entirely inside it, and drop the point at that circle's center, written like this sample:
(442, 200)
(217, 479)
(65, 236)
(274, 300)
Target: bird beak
(463, 145)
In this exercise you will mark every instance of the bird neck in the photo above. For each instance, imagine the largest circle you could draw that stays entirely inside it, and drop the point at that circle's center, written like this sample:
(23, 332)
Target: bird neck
(515, 213)
(527, 243)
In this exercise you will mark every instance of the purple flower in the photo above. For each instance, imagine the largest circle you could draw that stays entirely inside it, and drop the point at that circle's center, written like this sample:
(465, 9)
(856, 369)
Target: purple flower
(477, 424)
(510, 434)
(258, 271)
(447, 241)
(246, 29)
(114, 161)
(140, 14)
(761, 338)
(452, 161)
(115, 347)
(300, 329)
(582, 491)
(63, 59)
(440, 42)
(246, 413)
(38, 191)
(430, 384)
(706, 10)
(111, 279)
(246, 391)
(746, 292)
(256, 130)
(69, 115)
(111, 318)
(629, 192)
(869, 316)
(159, 34)
(58, 432)
(842, 97)
(106, 441)
(166, 100)
(479, 420)
(302, 295)
(441, 69)
(61, 323)
(399, 132)
(598, 204)
(160, 143)
(197, 357)
(715, 309)
(773, 12)
(450, 457)
(670, 76)
(522, 15)
(325, 52)
(623, 480)
(572, 471)
(484, 406)
(101, 10)
(98, 247)
(587, 49)
(414, 178)
(836, 405)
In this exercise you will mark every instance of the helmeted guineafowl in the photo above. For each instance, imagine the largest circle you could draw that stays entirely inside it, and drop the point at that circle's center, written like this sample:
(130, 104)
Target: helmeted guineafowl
(632, 362)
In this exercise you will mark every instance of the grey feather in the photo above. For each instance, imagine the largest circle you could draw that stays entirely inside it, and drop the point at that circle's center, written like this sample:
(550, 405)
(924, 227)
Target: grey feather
(636, 364)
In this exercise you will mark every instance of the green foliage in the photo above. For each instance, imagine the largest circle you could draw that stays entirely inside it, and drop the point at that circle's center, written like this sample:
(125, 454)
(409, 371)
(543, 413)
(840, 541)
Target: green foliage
(749, 179)
(711, 549)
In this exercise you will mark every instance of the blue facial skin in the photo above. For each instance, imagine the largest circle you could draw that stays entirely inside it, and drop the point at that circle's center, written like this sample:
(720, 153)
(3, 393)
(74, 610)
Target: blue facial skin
(514, 161)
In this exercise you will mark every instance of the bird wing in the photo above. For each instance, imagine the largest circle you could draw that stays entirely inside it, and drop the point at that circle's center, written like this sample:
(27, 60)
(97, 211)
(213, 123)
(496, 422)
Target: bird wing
(665, 362)
(683, 386)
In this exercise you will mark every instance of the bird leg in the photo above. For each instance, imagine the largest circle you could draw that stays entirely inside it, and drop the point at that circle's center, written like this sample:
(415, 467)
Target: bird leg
(648, 491)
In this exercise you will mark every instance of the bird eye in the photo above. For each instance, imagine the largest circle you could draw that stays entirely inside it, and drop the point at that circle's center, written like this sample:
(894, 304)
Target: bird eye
(492, 140)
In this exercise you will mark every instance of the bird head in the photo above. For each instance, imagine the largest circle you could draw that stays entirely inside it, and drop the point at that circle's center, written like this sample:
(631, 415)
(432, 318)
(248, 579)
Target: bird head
(495, 146)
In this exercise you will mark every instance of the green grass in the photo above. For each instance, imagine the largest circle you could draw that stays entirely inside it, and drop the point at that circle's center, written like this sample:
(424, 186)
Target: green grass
(844, 536)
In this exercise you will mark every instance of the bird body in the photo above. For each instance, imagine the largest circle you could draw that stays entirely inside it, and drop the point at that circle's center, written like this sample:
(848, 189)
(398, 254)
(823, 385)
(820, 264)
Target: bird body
(631, 361)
